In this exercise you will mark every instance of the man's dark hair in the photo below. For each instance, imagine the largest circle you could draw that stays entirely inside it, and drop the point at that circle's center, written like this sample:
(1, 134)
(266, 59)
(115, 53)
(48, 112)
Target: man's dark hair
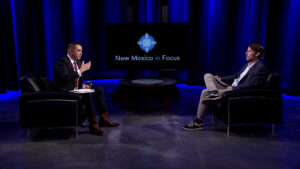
(71, 44)
(258, 48)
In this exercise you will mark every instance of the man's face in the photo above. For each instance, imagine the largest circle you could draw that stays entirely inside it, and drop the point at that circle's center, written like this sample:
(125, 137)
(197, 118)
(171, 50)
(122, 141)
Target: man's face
(76, 52)
(251, 55)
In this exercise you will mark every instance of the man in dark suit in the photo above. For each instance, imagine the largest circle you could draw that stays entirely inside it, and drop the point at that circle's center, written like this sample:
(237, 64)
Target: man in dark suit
(252, 75)
(68, 76)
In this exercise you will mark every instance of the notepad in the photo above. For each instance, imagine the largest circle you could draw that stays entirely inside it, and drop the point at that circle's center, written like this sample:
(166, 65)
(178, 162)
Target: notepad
(222, 83)
(82, 91)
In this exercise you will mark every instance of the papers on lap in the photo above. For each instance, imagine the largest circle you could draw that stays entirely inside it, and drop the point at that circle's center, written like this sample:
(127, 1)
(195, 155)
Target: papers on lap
(82, 91)
(222, 83)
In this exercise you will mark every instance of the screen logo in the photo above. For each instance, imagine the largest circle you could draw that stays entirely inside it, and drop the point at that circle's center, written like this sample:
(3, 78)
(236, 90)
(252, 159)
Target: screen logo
(146, 42)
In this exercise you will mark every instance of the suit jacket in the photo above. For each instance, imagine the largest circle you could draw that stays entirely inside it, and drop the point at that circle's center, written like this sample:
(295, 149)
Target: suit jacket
(255, 77)
(65, 75)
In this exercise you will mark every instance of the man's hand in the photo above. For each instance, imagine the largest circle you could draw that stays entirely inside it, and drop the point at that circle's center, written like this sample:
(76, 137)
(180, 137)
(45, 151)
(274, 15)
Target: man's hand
(218, 77)
(85, 66)
(84, 86)
(229, 88)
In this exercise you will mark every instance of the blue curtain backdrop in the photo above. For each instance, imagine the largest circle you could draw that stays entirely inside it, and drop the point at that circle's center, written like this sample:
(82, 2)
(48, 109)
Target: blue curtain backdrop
(35, 33)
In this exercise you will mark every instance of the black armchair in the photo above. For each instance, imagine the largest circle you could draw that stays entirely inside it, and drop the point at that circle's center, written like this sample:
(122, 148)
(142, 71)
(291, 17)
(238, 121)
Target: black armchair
(42, 107)
(251, 106)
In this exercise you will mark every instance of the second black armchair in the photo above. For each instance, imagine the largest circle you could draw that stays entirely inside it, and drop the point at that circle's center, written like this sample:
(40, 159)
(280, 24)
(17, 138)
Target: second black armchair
(251, 106)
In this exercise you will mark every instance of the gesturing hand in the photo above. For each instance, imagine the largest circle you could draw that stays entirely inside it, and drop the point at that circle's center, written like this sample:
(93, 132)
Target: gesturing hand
(84, 86)
(218, 77)
(85, 66)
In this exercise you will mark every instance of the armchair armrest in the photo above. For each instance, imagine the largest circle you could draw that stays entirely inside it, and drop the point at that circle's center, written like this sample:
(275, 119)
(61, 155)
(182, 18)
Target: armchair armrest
(50, 109)
(250, 106)
(49, 95)
(252, 93)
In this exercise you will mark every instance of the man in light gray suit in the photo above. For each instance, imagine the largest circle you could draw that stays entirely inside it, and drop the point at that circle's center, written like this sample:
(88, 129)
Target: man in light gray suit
(252, 75)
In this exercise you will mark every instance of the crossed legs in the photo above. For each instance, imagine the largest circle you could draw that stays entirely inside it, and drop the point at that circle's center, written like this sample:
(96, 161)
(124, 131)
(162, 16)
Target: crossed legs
(211, 84)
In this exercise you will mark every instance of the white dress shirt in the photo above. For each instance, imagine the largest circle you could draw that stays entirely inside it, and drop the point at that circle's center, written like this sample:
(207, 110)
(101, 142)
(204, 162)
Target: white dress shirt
(72, 61)
(237, 80)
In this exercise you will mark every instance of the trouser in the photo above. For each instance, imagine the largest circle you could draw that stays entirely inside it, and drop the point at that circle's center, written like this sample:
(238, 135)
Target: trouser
(211, 84)
(99, 101)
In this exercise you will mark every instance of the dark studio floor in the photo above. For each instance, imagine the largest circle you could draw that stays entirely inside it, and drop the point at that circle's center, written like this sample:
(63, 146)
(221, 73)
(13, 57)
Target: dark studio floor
(151, 140)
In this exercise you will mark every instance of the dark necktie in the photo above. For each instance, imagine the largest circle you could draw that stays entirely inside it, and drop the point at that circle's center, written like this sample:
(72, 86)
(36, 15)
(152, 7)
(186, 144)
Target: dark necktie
(77, 80)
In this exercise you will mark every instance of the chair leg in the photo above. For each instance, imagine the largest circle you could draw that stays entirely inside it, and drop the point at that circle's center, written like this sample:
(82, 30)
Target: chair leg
(273, 130)
(76, 122)
(228, 130)
(228, 118)
(212, 119)
(76, 130)
(28, 133)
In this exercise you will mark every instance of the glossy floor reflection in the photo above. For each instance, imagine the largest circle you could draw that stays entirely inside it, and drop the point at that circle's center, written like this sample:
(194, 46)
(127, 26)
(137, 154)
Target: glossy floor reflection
(151, 140)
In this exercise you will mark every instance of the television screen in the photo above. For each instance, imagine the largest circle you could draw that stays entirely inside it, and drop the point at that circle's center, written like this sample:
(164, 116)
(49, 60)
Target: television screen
(147, 45)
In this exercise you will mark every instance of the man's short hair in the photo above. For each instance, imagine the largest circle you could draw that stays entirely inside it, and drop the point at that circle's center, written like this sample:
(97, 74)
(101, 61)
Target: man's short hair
(71, 44)
(258, 48)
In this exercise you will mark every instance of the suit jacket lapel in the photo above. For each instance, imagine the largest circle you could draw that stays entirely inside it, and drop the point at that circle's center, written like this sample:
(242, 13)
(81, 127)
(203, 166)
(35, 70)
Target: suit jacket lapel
(69, 65)
(250, 71)
(239, 74)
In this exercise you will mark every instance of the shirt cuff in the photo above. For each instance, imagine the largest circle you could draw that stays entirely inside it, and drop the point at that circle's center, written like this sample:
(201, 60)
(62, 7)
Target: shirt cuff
(79, 73)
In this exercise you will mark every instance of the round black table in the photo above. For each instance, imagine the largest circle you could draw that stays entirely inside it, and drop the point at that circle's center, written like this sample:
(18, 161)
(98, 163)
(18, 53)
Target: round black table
(147, 90)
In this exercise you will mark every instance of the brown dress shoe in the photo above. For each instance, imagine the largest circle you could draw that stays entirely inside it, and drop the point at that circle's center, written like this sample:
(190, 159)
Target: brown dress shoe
(95, 130)
(105, 122)
(93, 127)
